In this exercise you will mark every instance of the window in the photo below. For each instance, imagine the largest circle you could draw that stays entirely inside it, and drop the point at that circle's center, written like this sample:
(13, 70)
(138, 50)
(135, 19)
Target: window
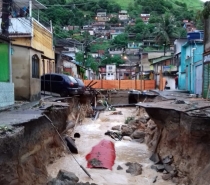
(35, 66)
(58, 78)
(110, 67)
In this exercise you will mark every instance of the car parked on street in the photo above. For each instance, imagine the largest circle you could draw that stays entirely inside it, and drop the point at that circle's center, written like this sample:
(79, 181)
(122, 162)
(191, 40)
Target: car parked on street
(59, 83)
(81, 86)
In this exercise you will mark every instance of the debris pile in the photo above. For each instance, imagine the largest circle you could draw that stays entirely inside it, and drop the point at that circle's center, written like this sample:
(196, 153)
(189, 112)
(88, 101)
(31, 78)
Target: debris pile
(135, 128)
(165, 165)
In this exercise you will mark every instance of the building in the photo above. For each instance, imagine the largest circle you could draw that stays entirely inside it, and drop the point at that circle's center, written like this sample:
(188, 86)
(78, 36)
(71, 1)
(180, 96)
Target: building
(101, 13)
(166, 66)
(123, 15)
(111, 72)
(206, 60)
(6, 84)
(191, 67)
(145, 18)
(32, 52)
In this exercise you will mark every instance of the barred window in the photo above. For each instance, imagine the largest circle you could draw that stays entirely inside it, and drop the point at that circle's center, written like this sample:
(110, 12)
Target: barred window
(35, 66)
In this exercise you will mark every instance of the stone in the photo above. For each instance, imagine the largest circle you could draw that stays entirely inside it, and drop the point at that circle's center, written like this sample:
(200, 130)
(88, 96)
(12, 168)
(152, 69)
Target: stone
(160, 168)
(155, 179)
(126, 131)
(134, 169)
(168, 168)
(127, 138)
(138, 140)
(154, 167)
(179, 102)
(55, 182)
(155, 158)
(174, 173)
(167, 160)
(175, 180)
(165, 172)
(138, 134)
(119, 167)
(65, 175)
(117, 127)
(166, 177)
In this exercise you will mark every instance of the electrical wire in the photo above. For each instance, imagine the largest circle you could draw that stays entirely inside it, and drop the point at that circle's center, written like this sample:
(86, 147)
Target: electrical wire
(64, 143)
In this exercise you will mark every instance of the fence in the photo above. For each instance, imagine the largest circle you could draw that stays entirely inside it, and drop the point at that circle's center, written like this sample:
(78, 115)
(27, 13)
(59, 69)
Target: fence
(123, 84)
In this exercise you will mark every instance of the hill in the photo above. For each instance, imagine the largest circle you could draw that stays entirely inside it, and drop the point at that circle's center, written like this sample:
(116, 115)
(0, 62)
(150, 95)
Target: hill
(191, 4)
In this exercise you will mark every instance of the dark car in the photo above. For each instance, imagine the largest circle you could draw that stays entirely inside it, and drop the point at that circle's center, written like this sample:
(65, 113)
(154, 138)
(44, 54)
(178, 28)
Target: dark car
(59, 83)
(81, 86)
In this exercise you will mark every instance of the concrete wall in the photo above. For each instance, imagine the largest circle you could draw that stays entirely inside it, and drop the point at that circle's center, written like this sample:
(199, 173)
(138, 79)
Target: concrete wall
(6, 94)
(42, 39)
(21, 72)
(26, 87)
(35, 83)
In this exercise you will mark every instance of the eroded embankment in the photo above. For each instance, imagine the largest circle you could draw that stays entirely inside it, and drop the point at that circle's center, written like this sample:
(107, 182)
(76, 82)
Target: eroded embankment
(25, 152)
(187, 138)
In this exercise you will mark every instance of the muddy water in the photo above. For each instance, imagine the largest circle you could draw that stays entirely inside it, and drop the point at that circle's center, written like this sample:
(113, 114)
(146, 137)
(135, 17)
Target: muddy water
(126, 151)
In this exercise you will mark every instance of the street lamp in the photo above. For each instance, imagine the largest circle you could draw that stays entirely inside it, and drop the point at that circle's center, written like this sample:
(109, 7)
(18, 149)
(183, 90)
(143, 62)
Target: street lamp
(126, 58)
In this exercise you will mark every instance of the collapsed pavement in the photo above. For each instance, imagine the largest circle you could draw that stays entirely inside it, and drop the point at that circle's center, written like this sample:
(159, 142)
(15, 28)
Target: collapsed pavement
(28, 141)
(181, 132)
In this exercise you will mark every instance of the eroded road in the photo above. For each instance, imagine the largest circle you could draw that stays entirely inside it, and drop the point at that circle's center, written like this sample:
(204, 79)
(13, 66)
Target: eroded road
(92, 132)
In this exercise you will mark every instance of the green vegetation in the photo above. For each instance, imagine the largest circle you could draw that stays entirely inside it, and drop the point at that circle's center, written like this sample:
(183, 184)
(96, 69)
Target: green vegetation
(166, 21)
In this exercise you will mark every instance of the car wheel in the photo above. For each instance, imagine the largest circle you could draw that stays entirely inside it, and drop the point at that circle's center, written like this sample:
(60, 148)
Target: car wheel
(64, 94)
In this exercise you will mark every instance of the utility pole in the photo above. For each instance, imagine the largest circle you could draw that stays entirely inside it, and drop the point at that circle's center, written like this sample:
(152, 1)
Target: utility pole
(6, 12)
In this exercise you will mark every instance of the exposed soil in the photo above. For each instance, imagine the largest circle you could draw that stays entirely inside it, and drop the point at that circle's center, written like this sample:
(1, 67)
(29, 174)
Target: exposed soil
(26, 149)
(187, 139)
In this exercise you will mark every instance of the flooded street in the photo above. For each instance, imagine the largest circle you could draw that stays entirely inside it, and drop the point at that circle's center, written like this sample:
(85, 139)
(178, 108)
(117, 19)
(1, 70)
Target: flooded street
(92, 132)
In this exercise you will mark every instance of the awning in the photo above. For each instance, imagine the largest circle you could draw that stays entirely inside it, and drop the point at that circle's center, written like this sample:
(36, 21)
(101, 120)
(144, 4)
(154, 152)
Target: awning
(160, 59)
(25, 3)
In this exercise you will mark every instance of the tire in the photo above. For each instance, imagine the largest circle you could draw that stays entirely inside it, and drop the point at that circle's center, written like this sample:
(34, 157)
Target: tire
(64, 93)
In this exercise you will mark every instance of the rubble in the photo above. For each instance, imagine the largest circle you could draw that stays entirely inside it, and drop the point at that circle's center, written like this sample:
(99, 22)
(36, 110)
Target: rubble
(134, 168)
(67, 178)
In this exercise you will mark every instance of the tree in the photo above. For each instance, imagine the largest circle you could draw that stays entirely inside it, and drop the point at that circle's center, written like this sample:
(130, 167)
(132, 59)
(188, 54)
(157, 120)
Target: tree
(116, 59)
(165, 29)
(120, 40)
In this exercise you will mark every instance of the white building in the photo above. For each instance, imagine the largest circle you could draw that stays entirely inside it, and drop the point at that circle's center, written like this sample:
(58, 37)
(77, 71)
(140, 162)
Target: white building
(111, 72)
(123, 15)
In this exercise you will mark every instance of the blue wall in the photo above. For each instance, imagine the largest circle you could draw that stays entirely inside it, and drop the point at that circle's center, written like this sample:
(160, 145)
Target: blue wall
(186, 72)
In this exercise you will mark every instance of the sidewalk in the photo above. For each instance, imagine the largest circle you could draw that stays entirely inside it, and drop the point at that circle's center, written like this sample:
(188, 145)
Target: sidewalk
(21, 112)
